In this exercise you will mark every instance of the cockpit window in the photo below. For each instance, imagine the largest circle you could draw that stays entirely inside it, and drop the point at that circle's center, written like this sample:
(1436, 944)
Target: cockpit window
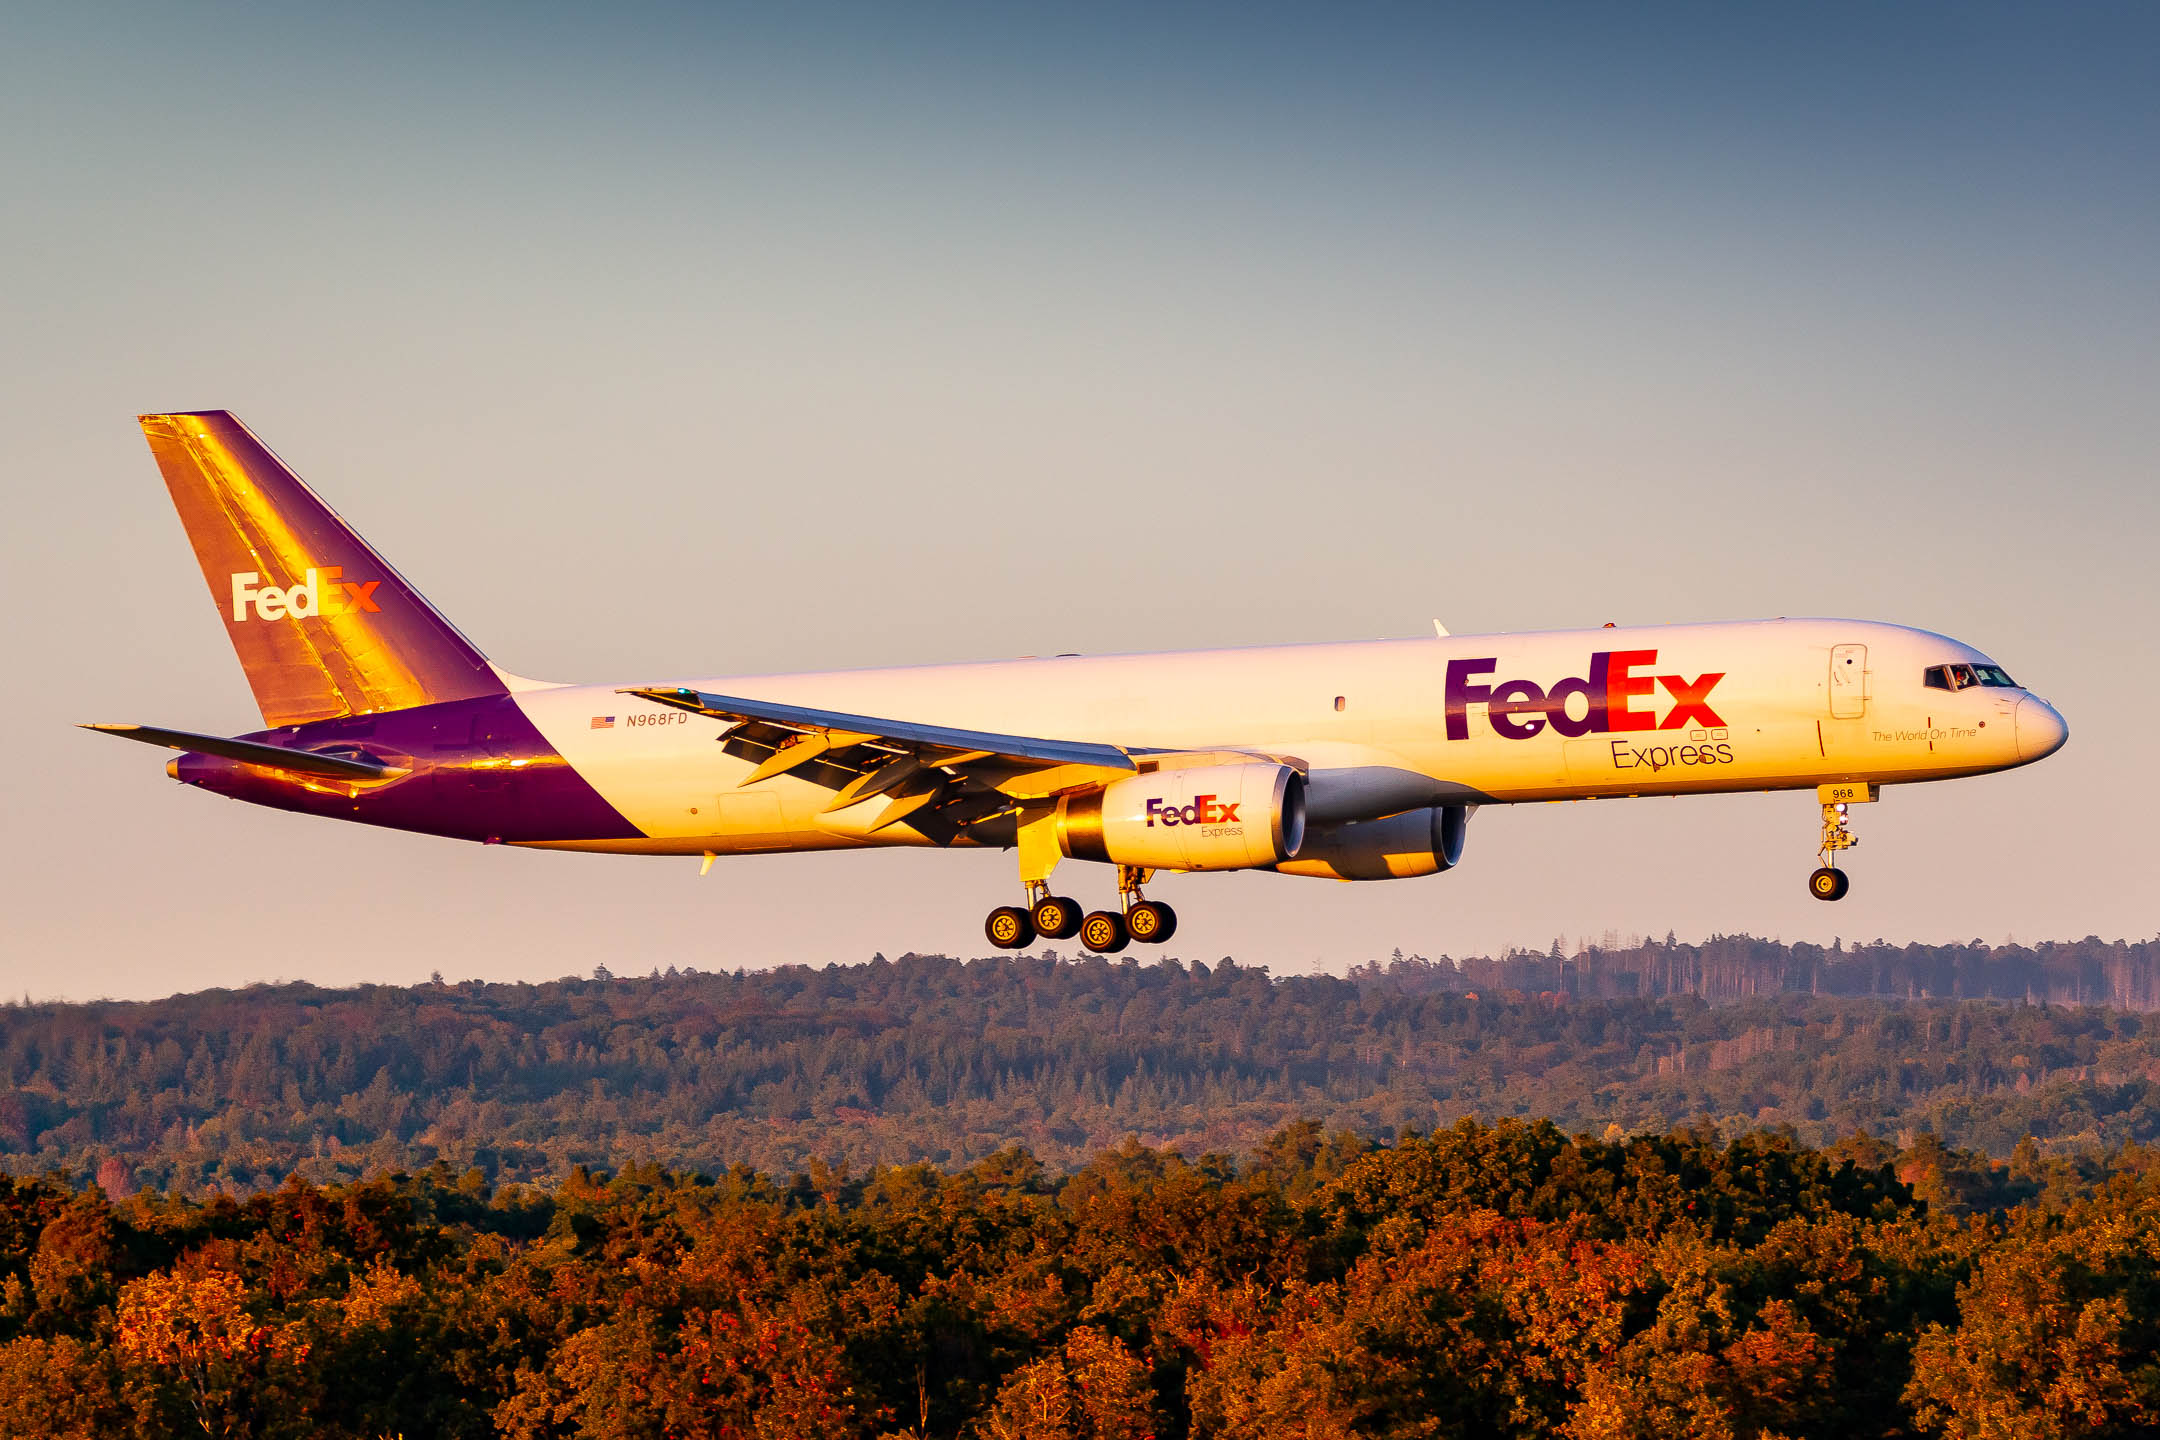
(1963, 677)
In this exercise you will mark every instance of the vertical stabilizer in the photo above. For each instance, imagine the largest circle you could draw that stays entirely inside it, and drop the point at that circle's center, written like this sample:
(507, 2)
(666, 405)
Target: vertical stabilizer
(322, 624)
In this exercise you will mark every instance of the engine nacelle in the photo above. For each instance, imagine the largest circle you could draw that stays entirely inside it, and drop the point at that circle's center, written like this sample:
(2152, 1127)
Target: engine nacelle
(1416, 842)
(1208, 817)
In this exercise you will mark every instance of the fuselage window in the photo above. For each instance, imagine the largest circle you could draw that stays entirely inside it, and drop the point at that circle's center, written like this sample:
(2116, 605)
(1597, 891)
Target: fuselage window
(1938, 678)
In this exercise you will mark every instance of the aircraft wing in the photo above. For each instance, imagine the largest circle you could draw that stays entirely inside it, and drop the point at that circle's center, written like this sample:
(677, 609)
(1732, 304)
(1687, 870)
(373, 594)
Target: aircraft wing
(939, 778)
(352, 764)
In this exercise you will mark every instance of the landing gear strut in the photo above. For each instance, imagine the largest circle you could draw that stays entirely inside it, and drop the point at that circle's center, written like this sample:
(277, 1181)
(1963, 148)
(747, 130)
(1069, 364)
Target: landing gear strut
(1829, 882)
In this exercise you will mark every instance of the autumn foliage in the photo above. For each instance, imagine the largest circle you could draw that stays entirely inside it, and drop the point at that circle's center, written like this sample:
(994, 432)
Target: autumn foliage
(1501, 1281)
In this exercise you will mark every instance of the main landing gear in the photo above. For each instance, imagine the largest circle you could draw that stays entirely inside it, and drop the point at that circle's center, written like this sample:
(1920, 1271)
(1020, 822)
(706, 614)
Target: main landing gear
(1053, 917)
(1829, 882)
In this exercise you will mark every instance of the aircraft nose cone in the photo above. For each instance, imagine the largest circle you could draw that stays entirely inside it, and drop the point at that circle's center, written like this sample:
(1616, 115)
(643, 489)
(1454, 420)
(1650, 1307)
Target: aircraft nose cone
(2040, 730)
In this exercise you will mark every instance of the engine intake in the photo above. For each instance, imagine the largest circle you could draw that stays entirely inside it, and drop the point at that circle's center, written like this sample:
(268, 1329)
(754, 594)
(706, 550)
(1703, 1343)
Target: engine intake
(1208, 817)
(1416, 842)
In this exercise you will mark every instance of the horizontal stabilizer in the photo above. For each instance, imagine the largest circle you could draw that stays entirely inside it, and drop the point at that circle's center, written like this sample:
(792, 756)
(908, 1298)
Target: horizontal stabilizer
(353, 764)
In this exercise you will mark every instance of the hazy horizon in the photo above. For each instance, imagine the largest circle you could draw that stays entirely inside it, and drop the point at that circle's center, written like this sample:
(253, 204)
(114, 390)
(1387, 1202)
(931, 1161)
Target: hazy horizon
(682, 341)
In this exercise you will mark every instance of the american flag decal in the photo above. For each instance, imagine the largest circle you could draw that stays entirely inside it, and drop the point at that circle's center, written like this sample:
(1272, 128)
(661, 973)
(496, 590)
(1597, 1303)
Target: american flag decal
(603, 722)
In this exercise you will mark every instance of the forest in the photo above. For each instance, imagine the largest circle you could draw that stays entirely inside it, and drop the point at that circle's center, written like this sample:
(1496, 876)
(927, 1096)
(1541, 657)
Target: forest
(947, 1061)
(1498, 1280)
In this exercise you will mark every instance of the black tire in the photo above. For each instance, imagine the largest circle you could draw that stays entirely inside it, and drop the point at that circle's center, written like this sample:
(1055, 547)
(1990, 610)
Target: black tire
(1009, 928)
(1104, 932)
(1829, 884)
(1056, 918)
(1151, 922)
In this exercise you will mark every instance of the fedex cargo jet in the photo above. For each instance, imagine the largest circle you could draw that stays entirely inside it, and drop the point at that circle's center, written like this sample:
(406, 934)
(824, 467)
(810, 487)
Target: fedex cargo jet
(1360, 761)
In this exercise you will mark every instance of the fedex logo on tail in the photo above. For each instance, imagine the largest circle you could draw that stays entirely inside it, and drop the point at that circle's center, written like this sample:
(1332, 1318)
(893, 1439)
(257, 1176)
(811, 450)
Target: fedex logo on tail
(321, 593)
(1204, 810)
(1519, 709)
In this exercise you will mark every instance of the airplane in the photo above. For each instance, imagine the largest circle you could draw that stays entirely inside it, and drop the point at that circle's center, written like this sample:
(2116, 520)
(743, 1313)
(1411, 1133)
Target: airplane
(1358, 761)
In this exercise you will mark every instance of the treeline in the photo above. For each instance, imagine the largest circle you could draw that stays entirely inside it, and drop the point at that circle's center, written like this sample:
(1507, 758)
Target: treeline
(2117, 974)
(1492, 1282)
(929, 1058)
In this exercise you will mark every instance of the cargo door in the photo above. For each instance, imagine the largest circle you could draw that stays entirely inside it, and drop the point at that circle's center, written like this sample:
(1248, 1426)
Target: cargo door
(1848, 682)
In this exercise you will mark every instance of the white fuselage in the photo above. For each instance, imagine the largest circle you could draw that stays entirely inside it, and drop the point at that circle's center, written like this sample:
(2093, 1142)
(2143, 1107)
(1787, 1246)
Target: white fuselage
(1796, 703)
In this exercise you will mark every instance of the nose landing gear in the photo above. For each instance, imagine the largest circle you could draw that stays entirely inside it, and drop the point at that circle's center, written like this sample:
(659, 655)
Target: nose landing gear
(1829, 882)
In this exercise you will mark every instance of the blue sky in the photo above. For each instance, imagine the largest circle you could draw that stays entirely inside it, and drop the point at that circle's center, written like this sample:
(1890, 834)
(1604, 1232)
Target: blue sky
(1108, 329)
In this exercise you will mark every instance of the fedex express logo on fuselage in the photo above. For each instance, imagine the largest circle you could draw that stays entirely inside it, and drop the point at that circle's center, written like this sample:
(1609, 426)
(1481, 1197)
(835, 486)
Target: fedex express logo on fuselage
(1519, 709)
(321, 593)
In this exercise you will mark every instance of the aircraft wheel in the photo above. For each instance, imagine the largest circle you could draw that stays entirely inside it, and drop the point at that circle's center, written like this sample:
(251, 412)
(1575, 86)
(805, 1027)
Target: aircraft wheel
(1151, 922)
(1056, 918)
(1829, 884)
(1009, 928)
(1104, 932)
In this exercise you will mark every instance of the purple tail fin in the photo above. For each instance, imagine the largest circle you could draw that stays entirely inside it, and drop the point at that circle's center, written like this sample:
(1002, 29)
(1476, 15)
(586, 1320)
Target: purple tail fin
(323, 626)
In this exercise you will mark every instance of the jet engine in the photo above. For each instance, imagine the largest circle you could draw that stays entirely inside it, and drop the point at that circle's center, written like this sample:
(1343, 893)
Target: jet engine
(1416, 842)
(1207, 817)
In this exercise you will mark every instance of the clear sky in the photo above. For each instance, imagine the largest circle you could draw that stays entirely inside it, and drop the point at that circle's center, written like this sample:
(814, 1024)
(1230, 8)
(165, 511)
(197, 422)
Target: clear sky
(653, 341)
